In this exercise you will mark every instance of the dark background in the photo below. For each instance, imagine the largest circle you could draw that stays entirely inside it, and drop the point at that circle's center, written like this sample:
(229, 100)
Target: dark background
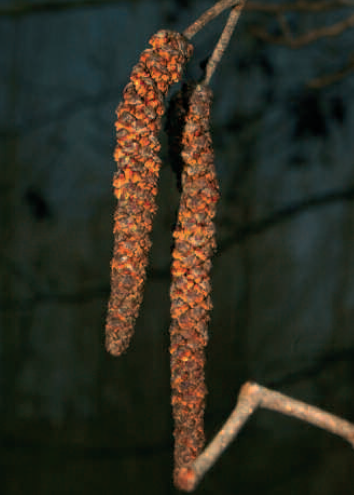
(72, 418)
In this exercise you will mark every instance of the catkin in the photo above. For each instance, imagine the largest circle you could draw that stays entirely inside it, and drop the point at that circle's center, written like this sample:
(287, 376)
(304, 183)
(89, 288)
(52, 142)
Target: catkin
(190, 288)
(135, 182)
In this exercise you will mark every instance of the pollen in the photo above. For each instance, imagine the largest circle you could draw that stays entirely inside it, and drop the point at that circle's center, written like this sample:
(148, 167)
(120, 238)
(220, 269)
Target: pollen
(194, 237)
(135, 182)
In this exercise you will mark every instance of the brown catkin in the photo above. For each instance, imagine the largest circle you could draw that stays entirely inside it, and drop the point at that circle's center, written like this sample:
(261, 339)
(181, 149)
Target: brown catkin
(135, 183)
(190, 289)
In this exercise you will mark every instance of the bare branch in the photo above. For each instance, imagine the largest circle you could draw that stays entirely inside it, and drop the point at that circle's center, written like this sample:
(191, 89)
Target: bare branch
(299, 6)
(334, 77)
(285, 214)
(323, 32)
(208, 16)
(251, 397)
(223, 42)
(287, 39)
(27, 8)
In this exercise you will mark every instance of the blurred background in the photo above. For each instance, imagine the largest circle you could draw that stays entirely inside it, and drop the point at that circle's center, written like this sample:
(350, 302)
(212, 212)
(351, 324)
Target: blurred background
(72, 418)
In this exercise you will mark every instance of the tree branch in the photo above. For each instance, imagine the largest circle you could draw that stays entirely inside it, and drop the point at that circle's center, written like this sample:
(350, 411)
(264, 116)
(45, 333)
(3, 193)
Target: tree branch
(27, 8)
(208, 16)
(299, 6)
(251, 397)
(284, 214)
(334, 77)
(223, 42)
(305, 39)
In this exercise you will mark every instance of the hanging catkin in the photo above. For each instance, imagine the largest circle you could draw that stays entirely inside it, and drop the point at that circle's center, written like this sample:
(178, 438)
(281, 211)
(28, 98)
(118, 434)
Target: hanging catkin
(190, 289)
(135, 183)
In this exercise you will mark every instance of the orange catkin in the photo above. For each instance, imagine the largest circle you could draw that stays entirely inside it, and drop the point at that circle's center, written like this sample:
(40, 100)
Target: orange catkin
(135, 183)
(190, 289)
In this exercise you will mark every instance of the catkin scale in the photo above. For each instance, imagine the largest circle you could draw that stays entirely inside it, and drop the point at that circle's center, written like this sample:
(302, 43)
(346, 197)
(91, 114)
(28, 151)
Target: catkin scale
(194, 245)
(135, 182)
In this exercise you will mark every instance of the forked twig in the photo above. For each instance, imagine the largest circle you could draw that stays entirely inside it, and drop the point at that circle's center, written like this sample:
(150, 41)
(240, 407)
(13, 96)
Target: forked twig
(267, 8)
(209, 15)
(251, 397)
(223, 41)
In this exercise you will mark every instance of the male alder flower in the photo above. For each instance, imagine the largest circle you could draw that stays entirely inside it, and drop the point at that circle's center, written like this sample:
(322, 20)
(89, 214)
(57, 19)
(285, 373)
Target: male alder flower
(135, 183)
(190, 288)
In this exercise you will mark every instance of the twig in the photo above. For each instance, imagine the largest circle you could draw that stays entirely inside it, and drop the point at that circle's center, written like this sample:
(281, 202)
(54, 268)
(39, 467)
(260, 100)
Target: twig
(25, 8)
(323, 32)
(268, 8)
(328, 79)
(223, 42)
(274, 8)
(251, 397)
(208, 16)
(298, 6)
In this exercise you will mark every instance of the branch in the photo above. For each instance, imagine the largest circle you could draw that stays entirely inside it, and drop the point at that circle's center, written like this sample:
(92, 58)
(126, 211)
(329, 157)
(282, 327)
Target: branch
(305, 39)
(284, 214)
(251, 397)
(328, 79)
(223, 42)
(242, 234)
(28, 8)
(299, 6)
(209, 15)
